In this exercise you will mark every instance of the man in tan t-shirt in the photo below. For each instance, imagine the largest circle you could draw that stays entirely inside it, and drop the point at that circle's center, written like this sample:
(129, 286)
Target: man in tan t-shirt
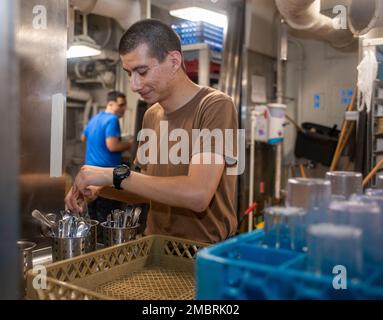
(190, 190)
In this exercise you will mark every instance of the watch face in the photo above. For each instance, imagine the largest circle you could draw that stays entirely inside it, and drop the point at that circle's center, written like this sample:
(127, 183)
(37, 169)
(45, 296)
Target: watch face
(121, 170)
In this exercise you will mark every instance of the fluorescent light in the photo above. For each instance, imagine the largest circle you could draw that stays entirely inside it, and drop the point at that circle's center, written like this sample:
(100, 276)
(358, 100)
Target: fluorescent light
(200, 14)
(82, 50)
(83, 46)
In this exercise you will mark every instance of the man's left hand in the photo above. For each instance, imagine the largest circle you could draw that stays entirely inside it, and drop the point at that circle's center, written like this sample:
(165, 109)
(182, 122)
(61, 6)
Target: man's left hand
(92, 176)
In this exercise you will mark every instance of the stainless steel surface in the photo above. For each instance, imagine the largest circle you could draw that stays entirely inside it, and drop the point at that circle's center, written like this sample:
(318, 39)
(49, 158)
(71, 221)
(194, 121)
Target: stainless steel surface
(92, 236)
(136, 216)
(65, 248)
(231, 69)
(42, 256)
(281, 75)
(75, 237)
(113, 236)
(43, 219)
(9, 155)
(81, 230)
(25, 255)
(42, 55)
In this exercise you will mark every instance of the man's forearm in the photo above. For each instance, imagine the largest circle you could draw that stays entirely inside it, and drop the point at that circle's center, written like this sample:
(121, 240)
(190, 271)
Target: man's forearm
(180, 191)
(121, 195)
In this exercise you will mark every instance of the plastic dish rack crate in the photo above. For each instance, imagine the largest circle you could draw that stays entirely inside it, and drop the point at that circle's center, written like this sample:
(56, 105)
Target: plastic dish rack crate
(153, 267)
(241, 268)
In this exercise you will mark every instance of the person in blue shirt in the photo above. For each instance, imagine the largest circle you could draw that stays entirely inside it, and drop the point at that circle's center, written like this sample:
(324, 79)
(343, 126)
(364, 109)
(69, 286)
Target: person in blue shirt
(104, 147)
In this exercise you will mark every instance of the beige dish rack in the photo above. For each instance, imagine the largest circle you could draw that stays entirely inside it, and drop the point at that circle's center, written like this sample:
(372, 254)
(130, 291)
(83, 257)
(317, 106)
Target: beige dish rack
(153, 267)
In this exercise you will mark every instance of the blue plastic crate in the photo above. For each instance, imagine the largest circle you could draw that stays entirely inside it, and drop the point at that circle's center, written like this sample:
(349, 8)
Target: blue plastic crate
(197, 25)
(200, 32)
(242, 268)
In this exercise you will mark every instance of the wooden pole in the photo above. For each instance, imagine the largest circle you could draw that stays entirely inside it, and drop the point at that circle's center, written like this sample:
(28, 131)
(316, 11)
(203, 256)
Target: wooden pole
(302, 169)
(338, 150)
(372, 173)
(343, 144)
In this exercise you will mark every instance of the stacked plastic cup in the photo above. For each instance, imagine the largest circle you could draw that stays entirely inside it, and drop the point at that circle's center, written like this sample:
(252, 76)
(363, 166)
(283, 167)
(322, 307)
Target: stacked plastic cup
(284, 228)
(379, 181)
(366, 213)
(314, 195)
(332, 246)
(337, 213)
(369, 197)
(345, 183)
(374, 192)
(362, 212)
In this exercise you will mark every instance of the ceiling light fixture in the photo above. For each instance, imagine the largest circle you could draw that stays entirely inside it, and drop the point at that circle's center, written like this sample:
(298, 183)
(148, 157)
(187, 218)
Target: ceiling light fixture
(81, 48)
(201, 14)
(83, 45)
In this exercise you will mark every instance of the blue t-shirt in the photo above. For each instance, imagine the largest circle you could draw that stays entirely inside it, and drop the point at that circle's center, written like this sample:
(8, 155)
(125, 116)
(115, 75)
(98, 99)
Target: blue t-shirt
(101, 126)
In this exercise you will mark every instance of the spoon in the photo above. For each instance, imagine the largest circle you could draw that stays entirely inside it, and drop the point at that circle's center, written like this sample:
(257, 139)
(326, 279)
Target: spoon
(43, 219)
(136, 216)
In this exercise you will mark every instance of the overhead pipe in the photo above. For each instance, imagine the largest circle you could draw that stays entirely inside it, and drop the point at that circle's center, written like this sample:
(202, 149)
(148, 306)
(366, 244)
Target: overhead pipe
(126, 12)
(365, 15)
(304, 15)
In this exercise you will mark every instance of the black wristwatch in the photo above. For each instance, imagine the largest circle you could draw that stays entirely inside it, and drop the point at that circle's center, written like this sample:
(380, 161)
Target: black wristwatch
(120, 173)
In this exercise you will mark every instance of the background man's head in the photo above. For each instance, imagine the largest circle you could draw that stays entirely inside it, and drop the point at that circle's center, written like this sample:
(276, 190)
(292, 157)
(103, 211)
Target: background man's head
(116, 103)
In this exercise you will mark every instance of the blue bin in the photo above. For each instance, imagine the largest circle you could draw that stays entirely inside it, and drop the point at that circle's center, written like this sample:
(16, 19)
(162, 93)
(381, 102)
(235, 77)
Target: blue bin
(200, 32)
(242, 268)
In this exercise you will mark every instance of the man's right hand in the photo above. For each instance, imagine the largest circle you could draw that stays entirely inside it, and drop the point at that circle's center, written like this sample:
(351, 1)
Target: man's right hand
(74, 200)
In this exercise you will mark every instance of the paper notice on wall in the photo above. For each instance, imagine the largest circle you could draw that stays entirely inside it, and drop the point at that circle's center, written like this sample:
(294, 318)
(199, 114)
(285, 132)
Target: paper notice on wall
(258, 89)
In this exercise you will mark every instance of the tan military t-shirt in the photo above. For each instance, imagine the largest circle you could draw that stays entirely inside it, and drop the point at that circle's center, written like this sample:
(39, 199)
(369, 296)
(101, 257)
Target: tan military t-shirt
(209, 109)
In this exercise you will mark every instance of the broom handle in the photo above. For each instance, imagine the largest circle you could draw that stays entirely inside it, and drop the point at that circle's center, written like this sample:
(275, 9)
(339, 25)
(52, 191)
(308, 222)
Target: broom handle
(372, 173)
(338, 150)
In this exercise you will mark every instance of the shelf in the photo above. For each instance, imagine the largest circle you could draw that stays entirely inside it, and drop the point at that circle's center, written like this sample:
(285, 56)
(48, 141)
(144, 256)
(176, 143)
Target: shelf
(195, 46)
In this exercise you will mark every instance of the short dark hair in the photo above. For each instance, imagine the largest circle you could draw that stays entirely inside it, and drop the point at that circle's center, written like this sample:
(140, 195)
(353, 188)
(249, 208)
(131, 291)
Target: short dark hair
(113, 95)
(158, 36)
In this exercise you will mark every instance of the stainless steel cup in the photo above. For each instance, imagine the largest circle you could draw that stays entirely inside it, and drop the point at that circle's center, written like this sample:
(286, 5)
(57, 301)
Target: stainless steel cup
(91, 239)
(65, 248)
(113, 236)
(25, 254)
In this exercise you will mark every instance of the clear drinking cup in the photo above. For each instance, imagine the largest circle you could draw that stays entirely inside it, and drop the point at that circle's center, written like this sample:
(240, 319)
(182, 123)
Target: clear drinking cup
(345, 183)
(314, 195)
(332, 245)
(284, 228)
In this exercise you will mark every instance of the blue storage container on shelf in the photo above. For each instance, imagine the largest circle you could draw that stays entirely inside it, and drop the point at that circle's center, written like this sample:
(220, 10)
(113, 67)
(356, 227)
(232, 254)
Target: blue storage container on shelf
(243, 268)
(200, 32)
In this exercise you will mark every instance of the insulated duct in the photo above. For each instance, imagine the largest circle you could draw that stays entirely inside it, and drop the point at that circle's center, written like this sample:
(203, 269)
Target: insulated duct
(365, 15)
(304, 15)
(126, 12)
